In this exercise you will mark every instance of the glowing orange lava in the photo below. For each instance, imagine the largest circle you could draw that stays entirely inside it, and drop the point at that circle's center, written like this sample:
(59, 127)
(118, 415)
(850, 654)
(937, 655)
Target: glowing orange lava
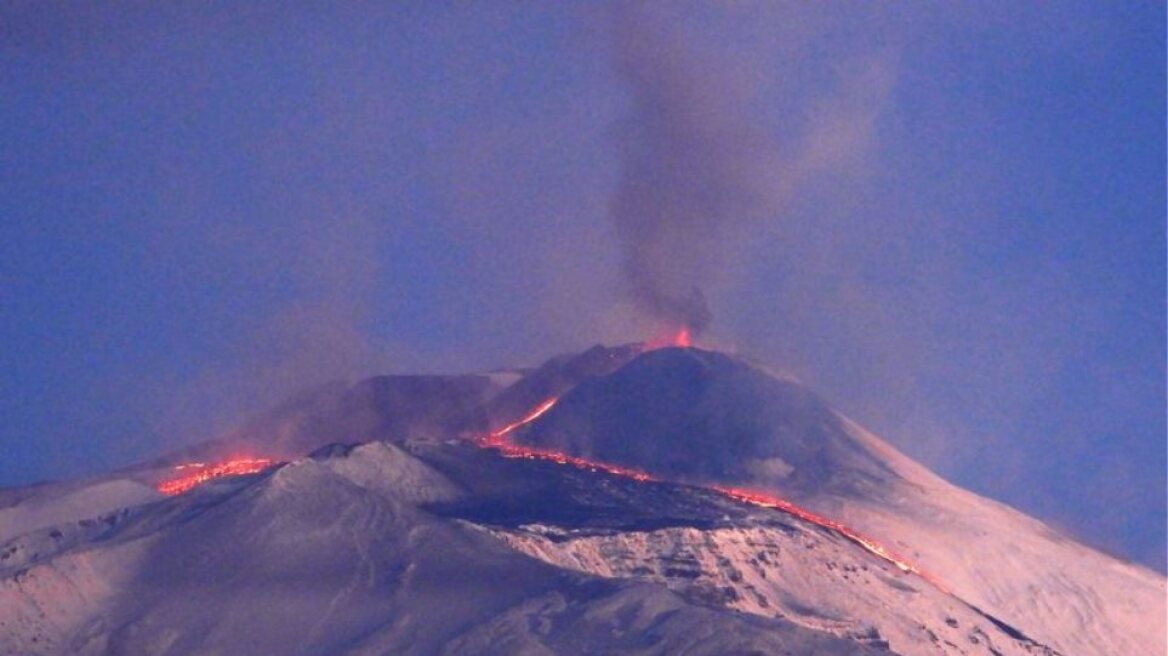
(682, 338)
(873, 547)
(500, 441)
(195, 473)
(508, 450)
(496, 437)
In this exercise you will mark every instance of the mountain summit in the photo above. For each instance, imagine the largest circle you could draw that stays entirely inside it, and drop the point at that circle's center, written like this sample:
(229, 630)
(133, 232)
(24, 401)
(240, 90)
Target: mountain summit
(621, 500)
(703, 416)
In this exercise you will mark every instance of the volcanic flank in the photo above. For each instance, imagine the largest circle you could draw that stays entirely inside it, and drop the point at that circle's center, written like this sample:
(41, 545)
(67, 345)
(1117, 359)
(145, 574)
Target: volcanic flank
(702, 416)
(631, 500)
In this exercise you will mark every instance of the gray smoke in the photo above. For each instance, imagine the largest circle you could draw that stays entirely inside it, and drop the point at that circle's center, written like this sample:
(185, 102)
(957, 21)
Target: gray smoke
(692, 172)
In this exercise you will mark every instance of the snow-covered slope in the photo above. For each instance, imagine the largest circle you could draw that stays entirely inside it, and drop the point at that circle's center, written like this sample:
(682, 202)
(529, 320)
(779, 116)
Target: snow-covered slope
(703, 416)
(429, 543)
(334, 554)
(1068, 595)
(792, 572)
(52, 504)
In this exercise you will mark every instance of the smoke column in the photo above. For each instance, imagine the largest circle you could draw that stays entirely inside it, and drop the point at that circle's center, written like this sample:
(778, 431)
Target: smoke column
(692, 172)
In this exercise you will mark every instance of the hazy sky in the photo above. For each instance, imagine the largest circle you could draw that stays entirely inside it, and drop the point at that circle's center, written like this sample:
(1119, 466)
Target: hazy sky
(958, 236)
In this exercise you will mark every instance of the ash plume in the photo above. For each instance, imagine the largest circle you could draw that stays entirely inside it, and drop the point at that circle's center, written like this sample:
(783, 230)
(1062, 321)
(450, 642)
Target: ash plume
(692, 172)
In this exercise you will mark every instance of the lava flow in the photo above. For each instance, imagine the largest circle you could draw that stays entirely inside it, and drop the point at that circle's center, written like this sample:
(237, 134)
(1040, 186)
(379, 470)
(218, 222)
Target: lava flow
(497, 438)
(873, 547)
(500, 441)
(190, 474)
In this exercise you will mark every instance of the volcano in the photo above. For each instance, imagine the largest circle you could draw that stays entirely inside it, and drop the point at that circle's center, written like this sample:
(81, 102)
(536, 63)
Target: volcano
(702, 416)
(627, 500)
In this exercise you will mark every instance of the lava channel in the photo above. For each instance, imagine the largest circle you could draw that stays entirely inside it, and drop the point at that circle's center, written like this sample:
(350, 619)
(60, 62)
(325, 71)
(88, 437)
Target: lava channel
(873, 547)
(191, 474)
(500, 441)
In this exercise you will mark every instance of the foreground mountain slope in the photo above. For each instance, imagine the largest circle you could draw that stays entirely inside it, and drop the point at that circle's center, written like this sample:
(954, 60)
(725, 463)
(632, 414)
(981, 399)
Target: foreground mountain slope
(49, 504)
(336, 556)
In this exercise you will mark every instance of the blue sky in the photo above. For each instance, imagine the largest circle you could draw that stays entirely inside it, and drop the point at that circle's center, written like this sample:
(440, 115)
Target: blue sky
(206, 207)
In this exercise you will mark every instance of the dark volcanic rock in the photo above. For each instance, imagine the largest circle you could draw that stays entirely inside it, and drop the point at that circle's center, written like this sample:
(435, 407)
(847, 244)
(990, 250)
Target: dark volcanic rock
(554, 377)
(703, 416)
